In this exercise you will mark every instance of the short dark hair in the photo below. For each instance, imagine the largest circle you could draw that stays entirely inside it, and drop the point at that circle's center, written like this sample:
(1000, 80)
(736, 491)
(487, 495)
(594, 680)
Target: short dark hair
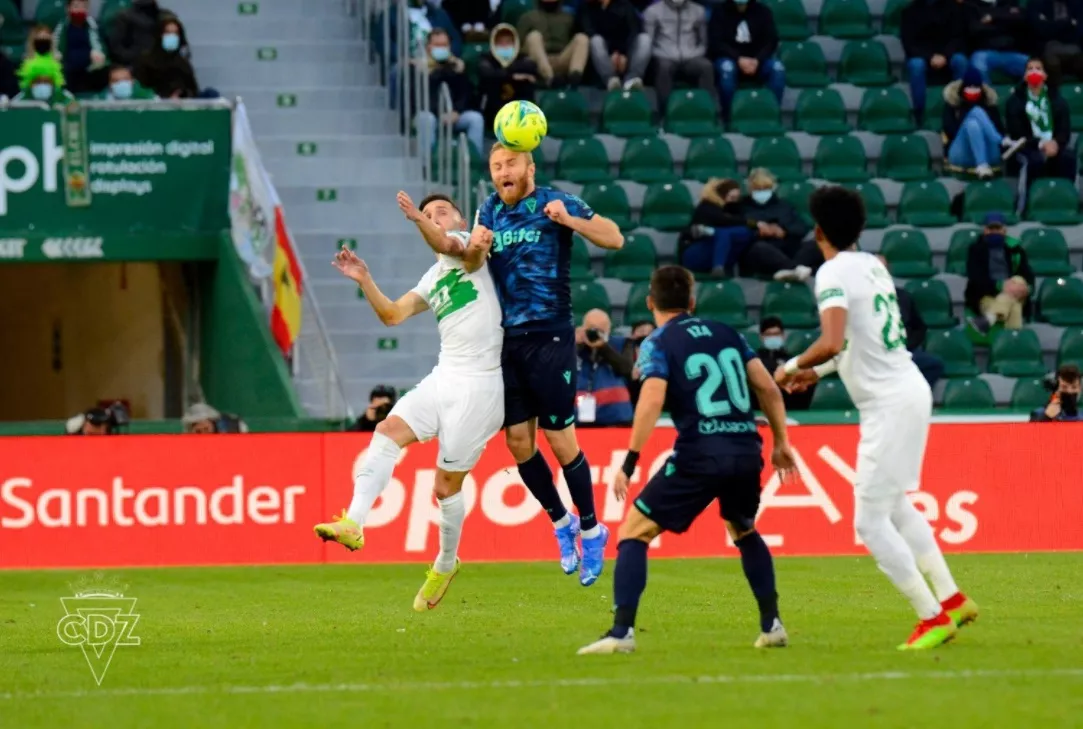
(770, 322)
(1068, 373)
(438, 197)
(839, 214)
(1039, 59)
(435, 32)
(671, 288)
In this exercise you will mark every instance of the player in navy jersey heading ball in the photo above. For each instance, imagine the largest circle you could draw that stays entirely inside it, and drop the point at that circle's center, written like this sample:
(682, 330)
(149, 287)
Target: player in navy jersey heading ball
(530, 229)
(703, 370)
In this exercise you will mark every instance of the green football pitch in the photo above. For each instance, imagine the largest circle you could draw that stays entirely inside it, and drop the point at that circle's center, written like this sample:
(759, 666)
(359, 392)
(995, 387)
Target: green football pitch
(341, 646)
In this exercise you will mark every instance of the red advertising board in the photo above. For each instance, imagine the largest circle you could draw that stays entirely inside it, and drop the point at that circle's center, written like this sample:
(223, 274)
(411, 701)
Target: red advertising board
(252, 499)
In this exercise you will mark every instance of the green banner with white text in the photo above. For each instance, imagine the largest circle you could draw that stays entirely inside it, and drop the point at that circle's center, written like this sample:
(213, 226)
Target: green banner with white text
(99, 182)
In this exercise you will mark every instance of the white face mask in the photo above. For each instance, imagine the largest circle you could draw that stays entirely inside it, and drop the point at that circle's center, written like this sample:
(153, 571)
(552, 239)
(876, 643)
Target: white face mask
(762, 196)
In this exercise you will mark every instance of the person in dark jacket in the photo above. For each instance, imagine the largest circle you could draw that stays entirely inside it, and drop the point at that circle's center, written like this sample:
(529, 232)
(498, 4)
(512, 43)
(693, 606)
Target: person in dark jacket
(81, 49)
(603, 397)
(1063, 405)
(473, 17)
(165, 71)
(9, 84)
(773, 354)
(505, 74)
(619, 49)
(554, 41)
(1039, 115)
(999, 278)
(789, 229)
(931, 366)
(446, 69)
(136, 30)
(742, 42)
(1058, 36)
(933, 34)
(972, 131)
(998, 35)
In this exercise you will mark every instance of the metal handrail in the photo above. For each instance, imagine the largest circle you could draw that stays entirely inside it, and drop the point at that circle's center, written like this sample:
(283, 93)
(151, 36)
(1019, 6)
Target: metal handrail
(444, 134)
(464, 175)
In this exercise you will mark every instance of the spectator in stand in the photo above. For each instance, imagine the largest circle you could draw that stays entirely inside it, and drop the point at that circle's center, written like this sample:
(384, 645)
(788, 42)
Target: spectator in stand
(166, 71)
(123, 87)
(505, 74)
(80, 46)
(773, 353)
(640, 331)
(972, 131)
(933, 34)
(40, 42)
(1064, 404)
(555, 44)
(1039, 115)
(603, 397)
(998, 278)
(997, 33)
(678, 33)
(788, 230)
(473, 17)
(1058, 31)
(202, 419)
(9, 84)
(931, 366)
(619, 49)
(445, 68)
(135, 31)
(743, 42)
(381, 400)
(41, 79)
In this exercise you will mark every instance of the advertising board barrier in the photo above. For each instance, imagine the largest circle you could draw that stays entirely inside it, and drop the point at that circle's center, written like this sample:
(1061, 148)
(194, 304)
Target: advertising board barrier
(252, 499)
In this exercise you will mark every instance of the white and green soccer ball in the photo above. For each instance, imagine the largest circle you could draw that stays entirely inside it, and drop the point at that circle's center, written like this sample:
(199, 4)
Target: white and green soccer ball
(520, 126)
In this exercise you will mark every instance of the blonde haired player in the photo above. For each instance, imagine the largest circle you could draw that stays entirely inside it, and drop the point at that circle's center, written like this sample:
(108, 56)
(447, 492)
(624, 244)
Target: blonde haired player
(461, 402)
(864, 339)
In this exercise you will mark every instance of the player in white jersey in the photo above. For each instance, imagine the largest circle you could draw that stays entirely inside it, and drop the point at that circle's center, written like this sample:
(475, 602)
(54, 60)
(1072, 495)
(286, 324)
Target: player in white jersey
(461, 402)
(864, 339)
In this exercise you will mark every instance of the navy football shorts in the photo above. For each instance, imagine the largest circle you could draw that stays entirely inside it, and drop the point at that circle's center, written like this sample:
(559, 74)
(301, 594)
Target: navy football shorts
(673, 499)
(539, 378)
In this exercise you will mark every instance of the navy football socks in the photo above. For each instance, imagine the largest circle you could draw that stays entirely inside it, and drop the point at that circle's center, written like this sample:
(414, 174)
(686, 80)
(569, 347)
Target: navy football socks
(629, 582)
(581, 488)
(539, 480)
(760, 573)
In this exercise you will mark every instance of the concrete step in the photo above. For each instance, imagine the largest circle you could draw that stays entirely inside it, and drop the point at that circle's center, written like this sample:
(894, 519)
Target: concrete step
(356, 316)
(286, 76)
(301, 122)
(366, 344)
(230, 11)
(342, 291)
(396, 243)
(270, 29)
(354, 147)
(384, 269)
(325, 173)
(243, 51)
(327, 98)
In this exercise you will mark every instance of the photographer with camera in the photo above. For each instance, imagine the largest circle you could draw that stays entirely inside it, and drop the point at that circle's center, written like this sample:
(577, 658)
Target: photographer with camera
(110, 420)
(201, 419)
(1064, 404)
(604, 366)
(381, 400)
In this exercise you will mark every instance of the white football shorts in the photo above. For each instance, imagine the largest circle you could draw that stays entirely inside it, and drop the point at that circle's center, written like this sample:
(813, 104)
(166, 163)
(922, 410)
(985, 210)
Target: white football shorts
(894, 432)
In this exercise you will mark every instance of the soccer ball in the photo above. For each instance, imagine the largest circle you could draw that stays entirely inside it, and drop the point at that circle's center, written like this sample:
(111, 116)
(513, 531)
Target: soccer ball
(520, 126)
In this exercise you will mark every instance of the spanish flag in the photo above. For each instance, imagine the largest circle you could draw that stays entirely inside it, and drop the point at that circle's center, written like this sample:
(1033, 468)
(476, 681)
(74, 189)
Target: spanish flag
(288, 288)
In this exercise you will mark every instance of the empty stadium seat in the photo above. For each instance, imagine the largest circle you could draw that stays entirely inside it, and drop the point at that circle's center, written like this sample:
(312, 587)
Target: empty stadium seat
(587, 295)
(627, 114)
(908, 254)
(755, 112)
(636, 307)
(779, 155)
(792, 303)
(647, 160)
(51, 12)
(709, 157)
(1016, 353)
(934, 109)
(925, 204)
(566, 114)
(892, 17)
(840, 158)
(1053, 201)
(830, 394)
(933, 301)
(954, 350)
(865, 63)
(820, 111)
(797, 194)
(1073, 94)
(722, 301)
(1047, 251)
(846, 19)
(634, 261)
(610, 200)
(692, 113)
(791, 21)
(1060, 301)
(968, 394)
(800, 340)
(1070, 350)
(805, 65)
(580, 260)
(512, 10)
(583, 160)
(989, 196)
(885, 111)
(959, 249)
(904, 157)
(667, 206)
(875, 205)
(1029, 393)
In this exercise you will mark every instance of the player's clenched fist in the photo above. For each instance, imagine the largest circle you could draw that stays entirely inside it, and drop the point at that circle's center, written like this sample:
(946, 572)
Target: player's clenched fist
(557, 212)
(406, 205)
(481, 237)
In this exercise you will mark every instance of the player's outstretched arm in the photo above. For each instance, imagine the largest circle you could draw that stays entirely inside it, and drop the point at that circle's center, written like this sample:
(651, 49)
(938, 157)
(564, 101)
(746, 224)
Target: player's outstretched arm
(820, 356)
(598, 229)
(477, 249)
(770, 399)
(389, 312)
(432, 233)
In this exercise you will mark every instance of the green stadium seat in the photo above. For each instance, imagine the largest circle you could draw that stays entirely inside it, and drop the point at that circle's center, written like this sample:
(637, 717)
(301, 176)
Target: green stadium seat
(722, 301)
(1029, 393)
(959, 249)
(1016, 353)
(792, 303)
(779, 155)
(1053, 201)
(512, 10)
(905, 157)
(580, 261)
(1060, 301)
(797, 194)
(846, 19)
(109, 10)
(933, 302)
(1047, 251)
(840, 159)
(636, 307)
(908, 254)
(791, 20)
(13, 30)
(583, 160)
(566, 114)
(755, 112)
(1073, 94)
(892, 17)
(667, 206)
(885, 111)
(610, 200)
(830, 394)
(634, 261)
(587, 295)
(925, 204)
(647, 160)
(692, 113)
(50, 12)
(954, 350)
(989, 196)
(753, 338)
(805, 65)
(865, 63)
(472, 53)
(627, 114)
(934, 109)
(709, 157)
(1070, 350)
(820, 111)
(968, 394)
(799, 340)
(875, 205)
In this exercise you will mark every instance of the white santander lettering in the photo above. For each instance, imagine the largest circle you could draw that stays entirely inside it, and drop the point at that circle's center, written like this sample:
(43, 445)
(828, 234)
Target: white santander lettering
(9, 498)
(496, 509)
(956, 510)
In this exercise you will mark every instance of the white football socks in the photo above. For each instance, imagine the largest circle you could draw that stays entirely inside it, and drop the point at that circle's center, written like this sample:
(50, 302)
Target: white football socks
(452, 515)
(893, 556)
(919, 535)
(372, 476)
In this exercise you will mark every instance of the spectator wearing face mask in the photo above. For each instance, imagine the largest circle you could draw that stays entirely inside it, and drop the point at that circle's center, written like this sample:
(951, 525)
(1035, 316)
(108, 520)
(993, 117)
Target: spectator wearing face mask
(80, 46)
(447, 70)
(135, 31)
(933, 34)
(971, 129)
(1058, 34)
(619, 49)
(1039, 115)
(678, 33)
(999, 278)
(555, 43)
(996, 31)
(165, 70)
(123, 87)
(41, 79)
(788, 229)
(1064, 405)
(743, 42)
(603, 397)
(505, 74)
(773, 353)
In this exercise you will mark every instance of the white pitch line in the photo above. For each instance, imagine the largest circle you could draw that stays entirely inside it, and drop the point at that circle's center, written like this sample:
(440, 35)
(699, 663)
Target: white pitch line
(347, 688)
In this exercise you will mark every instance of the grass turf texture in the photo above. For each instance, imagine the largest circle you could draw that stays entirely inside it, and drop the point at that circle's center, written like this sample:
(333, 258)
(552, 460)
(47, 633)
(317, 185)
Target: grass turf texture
(500, 649)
